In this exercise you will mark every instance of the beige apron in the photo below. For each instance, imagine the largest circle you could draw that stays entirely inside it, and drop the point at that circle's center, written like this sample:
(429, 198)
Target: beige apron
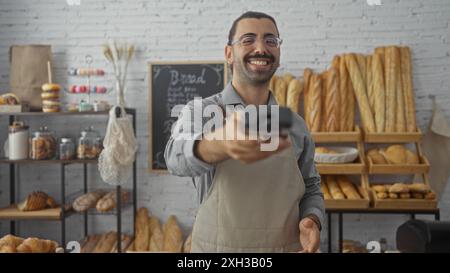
(252, 207)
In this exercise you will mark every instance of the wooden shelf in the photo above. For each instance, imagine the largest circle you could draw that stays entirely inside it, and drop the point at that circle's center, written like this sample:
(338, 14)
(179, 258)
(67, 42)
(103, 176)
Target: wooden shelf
(13, 212)
(346, 168)
(410, 203)
(337, 137)
(422, 167)
(86, 113)
(403, 137)
(350, 203)
(48, 161)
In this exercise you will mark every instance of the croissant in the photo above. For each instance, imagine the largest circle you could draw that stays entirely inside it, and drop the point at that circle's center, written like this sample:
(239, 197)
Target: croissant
(36, 201)
(35, 245)
(9, 243)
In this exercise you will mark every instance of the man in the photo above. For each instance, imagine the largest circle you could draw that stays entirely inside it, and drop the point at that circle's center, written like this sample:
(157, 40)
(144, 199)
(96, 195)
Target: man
(251, 200)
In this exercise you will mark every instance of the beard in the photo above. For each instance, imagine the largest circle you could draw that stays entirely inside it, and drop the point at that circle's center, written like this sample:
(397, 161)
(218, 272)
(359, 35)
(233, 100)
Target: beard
(253, 73)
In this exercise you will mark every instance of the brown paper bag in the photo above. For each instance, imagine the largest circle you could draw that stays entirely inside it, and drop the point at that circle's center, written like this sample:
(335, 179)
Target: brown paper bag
(28, 72)
(436, 146)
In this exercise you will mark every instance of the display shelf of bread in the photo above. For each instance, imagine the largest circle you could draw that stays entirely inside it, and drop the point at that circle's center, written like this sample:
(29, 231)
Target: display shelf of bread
(396, 159)
(151, 236)
(356, 166)
(417, 195)
(37, 205)
(340, 192)
(105, 243)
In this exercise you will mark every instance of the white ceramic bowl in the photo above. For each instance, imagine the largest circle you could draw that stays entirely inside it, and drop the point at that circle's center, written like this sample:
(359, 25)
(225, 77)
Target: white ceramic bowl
(343, 155)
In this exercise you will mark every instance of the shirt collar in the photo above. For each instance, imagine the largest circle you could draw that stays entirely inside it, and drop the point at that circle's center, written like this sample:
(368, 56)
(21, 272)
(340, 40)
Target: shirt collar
(231, 97)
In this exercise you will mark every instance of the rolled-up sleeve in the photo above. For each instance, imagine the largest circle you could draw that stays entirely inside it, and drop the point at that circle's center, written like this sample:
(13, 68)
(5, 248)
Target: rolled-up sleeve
(179, 152)
(312, 201)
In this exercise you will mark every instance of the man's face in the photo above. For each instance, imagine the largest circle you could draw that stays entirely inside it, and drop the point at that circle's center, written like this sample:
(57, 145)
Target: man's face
(256, 62)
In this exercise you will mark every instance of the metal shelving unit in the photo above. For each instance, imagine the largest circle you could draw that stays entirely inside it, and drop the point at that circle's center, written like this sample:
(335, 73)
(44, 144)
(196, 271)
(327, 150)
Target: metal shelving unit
(62, 214)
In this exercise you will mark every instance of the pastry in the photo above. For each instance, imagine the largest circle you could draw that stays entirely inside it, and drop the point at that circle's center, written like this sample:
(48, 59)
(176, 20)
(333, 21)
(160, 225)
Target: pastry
(419, 188)
(382, 195)
(399, 188)
(393, 195)
(37, 200)
(108, 201)
(35, 245)
(430, 196)
(376, 157)
(87, 201)
(405, 195)
(417, 195)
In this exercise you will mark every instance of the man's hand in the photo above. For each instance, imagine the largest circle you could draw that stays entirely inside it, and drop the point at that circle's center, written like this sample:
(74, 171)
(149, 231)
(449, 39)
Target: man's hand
(309, 235)
(234, 144)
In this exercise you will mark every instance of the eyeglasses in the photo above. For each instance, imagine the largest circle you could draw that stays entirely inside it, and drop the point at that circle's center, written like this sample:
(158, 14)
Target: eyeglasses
(269, 41)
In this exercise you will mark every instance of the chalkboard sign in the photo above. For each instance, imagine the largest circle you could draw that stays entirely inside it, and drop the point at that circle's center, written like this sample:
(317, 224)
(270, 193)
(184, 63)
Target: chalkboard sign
(171, 84)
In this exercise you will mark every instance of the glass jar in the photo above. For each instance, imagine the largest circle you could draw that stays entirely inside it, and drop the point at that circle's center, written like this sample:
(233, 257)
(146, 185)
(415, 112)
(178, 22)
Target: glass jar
(66, 149)
(43, 144)
(18, 141)
(87, 144)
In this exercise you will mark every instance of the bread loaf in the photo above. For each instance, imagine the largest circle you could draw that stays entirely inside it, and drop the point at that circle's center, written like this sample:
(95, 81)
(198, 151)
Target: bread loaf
(378, 93)
(395, 154)
(332, 101)
(325, 191)
(280, 92)
(380, 51)
(347, 114)
(336, 62)
(87, 201)
(323, 118)
(307, 73)
(106, 243)
(410, 107)
(187, 244)
(430, 196)
(411, 158)
(400, 119)
(405, 195)
(348, 188)
(379, 188)
(370, 90)
(399, 188)
(376, 157)
(361, 60)
(393, 195)
(295, 89)
(333, 186)
(315, 103)
(108, 201)
(360, 93)
(382, 195)
(419, 187)
(417, 195)
(142, 230)
(173, 236)
(157, 236)
(272, 84)
(391, 55)
(287, 78)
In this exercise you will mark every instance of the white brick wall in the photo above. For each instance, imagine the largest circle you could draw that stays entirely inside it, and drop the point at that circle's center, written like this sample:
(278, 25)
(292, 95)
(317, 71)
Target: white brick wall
(313, 31)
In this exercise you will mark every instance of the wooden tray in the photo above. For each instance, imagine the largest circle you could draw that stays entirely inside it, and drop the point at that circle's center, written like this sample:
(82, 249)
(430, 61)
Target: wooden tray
(402, 203)
(351, 204)
(336, 137)
(46, 214)
(393, 137)
(422, 167)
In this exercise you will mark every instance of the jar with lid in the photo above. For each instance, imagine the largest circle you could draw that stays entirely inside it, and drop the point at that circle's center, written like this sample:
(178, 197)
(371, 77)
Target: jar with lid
(43, 144)
(66, 149)
(18, 141)
(87, 144)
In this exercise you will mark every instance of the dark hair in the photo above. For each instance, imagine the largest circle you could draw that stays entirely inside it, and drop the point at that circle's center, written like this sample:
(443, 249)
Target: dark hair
(248, 14)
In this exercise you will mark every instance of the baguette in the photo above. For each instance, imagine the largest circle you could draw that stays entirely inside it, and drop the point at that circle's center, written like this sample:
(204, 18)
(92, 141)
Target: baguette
(325, 191)
(361, 60)
(173, 236)
(315, 103)
(410, 107)
(333, 186)
(360, 93)
(295, 89)
(287, 78)
(332, 101)
(280, 92)
(369, 76)
(380, 51)
(87, 201)
(400, 119)
(348, 188)
(390, 87)
(142, 230)
(272, 84)
(336, 62)
(378, 93)
(106, 243)
(347, 119)
(157, 238)
(307, 73)
(324, 119)
(92, 241)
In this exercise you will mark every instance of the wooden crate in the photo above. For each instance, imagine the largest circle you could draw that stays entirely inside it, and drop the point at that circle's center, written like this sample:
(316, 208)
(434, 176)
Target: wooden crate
(422, 167)
(413, 204)
(404, 137)
(351, 204)
(337, 137)
(357, 167)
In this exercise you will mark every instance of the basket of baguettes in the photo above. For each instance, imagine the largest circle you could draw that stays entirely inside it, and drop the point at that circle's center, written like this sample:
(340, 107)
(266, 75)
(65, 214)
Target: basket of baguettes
(417, 195)
(341, 193)
(380, 84)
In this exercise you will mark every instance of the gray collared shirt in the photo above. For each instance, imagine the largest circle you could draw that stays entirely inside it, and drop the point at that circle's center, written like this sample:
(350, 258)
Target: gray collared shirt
(181, 160)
